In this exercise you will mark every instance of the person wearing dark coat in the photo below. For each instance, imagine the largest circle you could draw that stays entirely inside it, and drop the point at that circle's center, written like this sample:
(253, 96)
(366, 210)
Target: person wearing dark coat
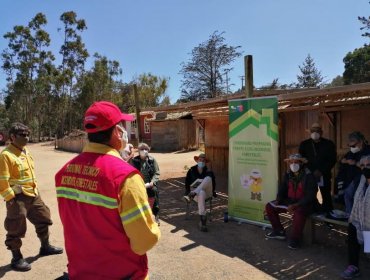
(321, 155)
(349, 171)
(200, 185)
(297, 196)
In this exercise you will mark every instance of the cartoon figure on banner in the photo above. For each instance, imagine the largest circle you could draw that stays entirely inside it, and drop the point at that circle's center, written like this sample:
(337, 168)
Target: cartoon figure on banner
(254, 182)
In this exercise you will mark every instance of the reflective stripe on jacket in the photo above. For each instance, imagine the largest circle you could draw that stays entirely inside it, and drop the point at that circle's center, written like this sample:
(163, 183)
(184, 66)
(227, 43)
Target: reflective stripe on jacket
(17, 173)
(88, 190)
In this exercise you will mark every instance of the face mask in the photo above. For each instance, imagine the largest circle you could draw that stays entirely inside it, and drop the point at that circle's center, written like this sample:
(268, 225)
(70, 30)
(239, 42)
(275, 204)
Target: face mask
(201, 164)
(124, 137)
(315, 136)
(294, 167)
(366, 173)
(143, 153)
(355, 149)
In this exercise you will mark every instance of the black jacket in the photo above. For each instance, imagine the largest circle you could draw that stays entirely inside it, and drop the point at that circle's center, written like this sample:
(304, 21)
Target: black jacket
(193, 174)
(321, 155)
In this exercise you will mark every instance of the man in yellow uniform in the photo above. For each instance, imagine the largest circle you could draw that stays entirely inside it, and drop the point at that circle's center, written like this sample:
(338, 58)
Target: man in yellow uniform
(19, 189)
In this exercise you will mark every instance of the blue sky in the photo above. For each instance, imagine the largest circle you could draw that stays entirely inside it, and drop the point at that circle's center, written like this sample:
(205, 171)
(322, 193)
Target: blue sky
(157, 36)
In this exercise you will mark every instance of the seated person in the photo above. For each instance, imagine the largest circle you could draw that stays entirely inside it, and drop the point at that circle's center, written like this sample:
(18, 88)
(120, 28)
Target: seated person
(298, 194)
(359, 220)
(148, 167)
(200, 184)
(349, 172)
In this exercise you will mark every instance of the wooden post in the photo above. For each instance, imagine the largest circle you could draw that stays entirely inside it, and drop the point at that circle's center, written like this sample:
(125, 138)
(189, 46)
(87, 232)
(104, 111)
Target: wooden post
(248, 68)
(137, 106)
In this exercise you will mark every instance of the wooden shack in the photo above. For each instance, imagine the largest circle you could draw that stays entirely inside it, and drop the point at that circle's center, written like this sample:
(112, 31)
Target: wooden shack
(173, 132)
(340, 110)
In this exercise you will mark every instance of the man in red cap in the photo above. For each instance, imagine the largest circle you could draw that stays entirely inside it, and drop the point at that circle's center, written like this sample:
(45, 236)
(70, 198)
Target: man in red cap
(103, 205)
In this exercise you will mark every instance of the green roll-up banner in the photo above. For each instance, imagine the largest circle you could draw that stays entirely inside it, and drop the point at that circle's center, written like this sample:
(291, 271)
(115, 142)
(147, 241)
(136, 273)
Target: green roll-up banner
(253, 157)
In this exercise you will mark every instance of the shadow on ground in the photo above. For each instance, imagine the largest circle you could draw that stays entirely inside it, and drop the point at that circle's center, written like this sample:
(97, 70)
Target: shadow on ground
(325, 259)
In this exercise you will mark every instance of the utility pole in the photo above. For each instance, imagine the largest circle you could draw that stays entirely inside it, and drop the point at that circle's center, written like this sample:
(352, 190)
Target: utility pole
(242, 78)
(248, 68)
(137, 107)
(227, 79)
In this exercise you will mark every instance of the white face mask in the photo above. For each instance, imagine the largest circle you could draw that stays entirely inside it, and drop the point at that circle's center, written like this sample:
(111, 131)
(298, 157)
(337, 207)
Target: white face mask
(124, 137)
(143, 153)
(294, 167)
(355, 149)
(315, 136)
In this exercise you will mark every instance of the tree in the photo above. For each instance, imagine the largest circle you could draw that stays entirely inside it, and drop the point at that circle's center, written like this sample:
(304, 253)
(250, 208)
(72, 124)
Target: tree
(366, 25)
(28, 66)
(203, 73)
(74, 55)
(310, 75)
(273, 85)
(151, 91)
(357, 66)
(98, 83)
(336, 82)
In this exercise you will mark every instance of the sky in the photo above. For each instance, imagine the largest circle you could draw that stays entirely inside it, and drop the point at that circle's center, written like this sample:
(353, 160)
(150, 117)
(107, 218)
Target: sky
(156, 36)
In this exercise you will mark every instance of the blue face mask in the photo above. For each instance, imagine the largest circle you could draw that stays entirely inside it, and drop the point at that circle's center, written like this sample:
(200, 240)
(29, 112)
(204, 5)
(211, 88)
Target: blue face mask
(201, 164)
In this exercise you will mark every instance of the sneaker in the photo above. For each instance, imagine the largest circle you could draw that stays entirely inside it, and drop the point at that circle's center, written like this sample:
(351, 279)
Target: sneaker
(293, 244)
(188, 198)
(276, 235)
(350, 272)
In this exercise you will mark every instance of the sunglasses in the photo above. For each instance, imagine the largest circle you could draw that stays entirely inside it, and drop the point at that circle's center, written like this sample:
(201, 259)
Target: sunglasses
(353, 145)
(24, 134)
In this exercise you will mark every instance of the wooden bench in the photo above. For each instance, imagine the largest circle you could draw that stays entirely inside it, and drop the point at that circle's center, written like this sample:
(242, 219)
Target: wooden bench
(309, 231)
(193, 202)
(310, 226)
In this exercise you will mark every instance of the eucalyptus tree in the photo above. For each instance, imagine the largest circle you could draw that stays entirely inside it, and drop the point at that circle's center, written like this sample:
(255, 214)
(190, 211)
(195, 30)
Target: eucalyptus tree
(74, 55)
(101, 82)
(28, 64)
(203, 73)
(151, 89)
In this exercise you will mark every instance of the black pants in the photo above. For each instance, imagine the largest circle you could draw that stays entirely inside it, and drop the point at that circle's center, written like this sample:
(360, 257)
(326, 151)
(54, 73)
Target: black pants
(353, 246)
(19, 209)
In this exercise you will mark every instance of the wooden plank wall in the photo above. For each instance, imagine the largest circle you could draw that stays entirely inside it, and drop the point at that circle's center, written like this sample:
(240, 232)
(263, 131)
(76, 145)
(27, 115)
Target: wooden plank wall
(164, 136)
(173, 135)
(186, 134)
(349, 121)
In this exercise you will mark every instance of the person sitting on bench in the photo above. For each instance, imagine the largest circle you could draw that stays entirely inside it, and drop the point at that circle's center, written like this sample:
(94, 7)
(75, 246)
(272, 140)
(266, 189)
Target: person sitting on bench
(203, 183)
(296, 195)
(359, 221)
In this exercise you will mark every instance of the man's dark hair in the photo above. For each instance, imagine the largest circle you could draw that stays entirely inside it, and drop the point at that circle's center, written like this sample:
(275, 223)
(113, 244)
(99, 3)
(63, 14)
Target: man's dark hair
(18, 127)
(101, 137)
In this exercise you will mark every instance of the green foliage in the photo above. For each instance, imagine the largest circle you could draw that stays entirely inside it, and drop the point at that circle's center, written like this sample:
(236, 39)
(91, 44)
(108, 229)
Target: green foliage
(357, 66)
(336, 82)
(28, 65)
(51, 98)
(203, 73)
(151, 92)
(310, 76)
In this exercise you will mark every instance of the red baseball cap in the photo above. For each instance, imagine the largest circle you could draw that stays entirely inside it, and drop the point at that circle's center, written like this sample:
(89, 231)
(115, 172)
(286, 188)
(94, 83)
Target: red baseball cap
(102, 115)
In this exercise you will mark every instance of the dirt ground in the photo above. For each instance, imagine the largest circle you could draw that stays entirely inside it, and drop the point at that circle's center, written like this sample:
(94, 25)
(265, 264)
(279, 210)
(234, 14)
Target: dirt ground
(228, 251)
